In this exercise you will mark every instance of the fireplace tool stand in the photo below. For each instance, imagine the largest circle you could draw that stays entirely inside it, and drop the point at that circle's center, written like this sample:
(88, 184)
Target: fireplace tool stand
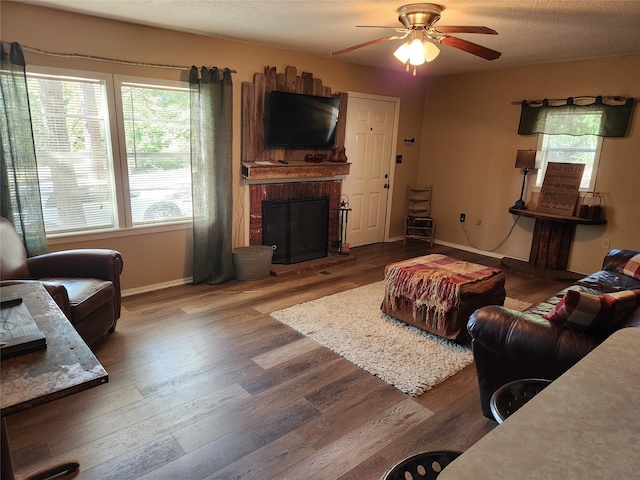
(343, 246)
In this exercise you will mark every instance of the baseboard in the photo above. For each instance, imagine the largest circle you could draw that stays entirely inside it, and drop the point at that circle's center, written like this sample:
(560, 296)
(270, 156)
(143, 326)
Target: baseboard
(510, 261)
(174, 283)
(459, 247)
(156, 286)
(472, 250)
(526, 268)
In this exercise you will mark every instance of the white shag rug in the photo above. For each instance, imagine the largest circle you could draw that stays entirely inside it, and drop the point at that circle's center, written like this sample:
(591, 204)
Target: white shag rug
(351, 324)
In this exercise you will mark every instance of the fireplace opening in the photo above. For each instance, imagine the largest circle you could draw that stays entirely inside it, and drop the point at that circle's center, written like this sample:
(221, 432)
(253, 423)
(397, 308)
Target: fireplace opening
(298, 228)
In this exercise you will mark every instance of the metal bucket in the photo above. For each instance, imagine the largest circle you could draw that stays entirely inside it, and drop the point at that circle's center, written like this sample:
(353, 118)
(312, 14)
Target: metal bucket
(252, 262)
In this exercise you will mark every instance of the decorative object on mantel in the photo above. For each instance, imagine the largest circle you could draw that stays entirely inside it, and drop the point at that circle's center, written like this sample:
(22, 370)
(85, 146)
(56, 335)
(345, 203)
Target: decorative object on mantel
(343, 155)
(339, 155)
(525, 159)
(317, 158)
(560, 188)
(615, 113)
(335, 156)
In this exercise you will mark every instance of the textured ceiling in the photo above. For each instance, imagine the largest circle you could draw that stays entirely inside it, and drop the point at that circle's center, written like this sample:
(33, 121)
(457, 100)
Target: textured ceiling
(529, 32)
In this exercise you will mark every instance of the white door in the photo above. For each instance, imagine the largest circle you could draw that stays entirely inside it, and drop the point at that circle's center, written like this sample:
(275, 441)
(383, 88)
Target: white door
(370, 145)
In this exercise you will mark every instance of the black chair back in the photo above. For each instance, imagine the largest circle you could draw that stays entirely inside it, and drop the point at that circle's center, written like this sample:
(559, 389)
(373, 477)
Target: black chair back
(425, 466)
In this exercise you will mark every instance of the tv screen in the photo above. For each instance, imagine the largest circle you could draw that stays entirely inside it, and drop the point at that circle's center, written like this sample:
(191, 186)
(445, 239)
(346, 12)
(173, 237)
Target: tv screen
(297, 121)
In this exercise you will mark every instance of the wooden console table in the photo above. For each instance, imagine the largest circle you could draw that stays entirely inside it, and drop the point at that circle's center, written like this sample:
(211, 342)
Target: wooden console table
(552, 237)
(65, 367)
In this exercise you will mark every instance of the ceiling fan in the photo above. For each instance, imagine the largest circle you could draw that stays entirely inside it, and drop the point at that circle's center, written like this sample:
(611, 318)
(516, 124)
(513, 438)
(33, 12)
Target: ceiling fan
(418, 21)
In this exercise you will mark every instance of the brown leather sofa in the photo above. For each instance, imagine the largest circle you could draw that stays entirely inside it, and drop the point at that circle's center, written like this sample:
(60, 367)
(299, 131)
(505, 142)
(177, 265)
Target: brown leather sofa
(85, 283)
(509, 345)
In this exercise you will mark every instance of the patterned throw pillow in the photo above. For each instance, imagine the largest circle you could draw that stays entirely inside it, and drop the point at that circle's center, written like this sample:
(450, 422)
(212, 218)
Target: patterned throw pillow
(632, 267)
(589, 313)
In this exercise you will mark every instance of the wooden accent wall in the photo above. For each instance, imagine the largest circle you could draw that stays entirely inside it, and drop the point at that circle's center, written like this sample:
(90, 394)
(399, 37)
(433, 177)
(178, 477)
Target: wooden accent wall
(253, 110)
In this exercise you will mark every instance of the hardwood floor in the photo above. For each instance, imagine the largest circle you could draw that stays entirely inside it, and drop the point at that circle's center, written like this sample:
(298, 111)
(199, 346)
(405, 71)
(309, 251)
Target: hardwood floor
(204, 384)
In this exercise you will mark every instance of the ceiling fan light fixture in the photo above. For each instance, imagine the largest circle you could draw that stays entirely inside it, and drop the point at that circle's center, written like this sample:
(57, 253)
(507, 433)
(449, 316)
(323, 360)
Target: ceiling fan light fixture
(416, 52)
(431, 51)
(418, 20)
(402, 53)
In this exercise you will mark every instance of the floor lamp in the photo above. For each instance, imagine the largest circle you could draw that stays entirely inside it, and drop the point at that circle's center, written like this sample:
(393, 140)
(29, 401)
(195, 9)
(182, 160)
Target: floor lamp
(525, 159)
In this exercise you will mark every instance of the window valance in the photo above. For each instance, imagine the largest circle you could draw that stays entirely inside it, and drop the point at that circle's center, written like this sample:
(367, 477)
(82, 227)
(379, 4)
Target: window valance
(608, 117)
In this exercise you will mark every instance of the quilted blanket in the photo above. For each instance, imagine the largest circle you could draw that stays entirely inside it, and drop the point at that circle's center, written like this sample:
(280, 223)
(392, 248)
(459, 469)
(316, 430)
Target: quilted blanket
(433, 281)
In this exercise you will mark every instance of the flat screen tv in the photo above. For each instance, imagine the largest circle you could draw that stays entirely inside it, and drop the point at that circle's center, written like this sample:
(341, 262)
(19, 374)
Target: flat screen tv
(302, 122)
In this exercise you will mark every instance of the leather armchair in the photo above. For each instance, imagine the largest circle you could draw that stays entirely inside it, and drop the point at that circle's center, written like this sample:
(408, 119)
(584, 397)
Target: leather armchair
(509, 345)
(85, 283)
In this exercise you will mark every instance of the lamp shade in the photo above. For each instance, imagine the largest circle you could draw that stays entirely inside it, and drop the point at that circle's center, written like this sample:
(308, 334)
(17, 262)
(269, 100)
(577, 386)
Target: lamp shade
(416, 52)
(430, 51)
(526, 159)
(402, 53)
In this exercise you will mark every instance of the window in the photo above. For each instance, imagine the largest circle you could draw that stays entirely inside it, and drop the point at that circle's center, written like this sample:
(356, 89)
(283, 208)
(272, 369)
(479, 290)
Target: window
(92, 178)
(156, 127)
(571, 148)
(73, 150)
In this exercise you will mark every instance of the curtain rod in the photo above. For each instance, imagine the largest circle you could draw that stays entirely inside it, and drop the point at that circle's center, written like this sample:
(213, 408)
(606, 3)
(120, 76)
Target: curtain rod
(110, 60)
(587, 97)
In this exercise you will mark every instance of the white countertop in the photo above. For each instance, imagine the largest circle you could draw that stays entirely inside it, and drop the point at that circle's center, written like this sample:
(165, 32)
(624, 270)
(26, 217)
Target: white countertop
(585, 425)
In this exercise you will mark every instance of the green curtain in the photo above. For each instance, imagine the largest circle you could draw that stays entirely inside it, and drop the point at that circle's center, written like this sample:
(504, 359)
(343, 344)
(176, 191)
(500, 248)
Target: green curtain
(211, 93)
(19, 186)
(615, 117)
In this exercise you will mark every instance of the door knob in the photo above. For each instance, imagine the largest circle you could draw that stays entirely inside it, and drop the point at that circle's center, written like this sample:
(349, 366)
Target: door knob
(386, 185)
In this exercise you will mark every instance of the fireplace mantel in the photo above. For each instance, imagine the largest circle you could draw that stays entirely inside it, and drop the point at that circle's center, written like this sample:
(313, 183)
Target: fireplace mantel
(294, 169)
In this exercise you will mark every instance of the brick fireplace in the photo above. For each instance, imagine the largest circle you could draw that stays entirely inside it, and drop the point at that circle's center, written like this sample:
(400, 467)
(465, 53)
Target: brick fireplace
(294, 191)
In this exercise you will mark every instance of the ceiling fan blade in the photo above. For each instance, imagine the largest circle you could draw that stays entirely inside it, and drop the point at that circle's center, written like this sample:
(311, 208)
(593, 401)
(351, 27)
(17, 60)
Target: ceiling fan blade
(366, 44)
(466, 29)
(380, 26)
(469, 47)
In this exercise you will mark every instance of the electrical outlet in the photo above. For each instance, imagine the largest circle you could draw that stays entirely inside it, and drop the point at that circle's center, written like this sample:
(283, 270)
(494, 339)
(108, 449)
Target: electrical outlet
(606, 243)
(463, 217)
(478, 222)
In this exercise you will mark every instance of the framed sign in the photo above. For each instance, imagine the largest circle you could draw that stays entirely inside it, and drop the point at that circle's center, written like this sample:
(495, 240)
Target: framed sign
(560, 188)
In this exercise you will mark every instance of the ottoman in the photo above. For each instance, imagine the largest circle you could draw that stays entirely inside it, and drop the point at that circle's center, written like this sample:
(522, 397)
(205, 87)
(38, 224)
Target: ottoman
(438, 293)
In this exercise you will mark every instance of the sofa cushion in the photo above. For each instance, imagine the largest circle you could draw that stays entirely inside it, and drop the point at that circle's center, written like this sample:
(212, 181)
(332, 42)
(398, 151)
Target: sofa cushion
(632, 267)
(86, 295)
(594, 314)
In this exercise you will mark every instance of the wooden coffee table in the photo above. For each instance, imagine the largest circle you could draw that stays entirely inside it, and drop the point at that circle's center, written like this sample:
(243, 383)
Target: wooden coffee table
(65, 367)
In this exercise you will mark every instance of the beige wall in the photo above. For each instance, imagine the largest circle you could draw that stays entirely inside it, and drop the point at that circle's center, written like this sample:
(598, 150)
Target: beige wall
(162, 258)
(464, 127)
(469, 143)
